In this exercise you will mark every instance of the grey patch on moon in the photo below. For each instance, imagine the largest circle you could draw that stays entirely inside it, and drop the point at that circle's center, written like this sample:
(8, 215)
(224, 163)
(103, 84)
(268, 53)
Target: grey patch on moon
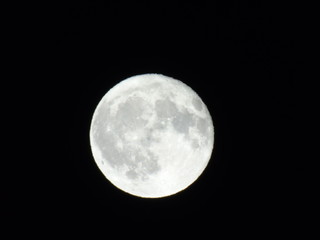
(149, 137)
(195, 144)
(197, 104)
(129, 113)
(165, 108)
(132, 174)
(182, 121)
(202, 125)
(139, 164)
(161, 125)
(128, 116)
(143, 166)
(107, 143)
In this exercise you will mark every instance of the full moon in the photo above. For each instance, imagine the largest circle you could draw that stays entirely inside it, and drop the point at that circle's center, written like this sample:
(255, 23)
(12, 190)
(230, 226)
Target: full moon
(151, 135)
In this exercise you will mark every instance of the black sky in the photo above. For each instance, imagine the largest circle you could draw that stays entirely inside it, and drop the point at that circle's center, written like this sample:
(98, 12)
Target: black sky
(242, 58)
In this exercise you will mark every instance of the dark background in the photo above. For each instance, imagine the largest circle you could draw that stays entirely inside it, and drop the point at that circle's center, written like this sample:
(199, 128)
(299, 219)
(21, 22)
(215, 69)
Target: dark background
(244, 59)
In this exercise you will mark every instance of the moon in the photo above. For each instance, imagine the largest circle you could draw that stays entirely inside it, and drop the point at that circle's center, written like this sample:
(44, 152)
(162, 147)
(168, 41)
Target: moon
(151, 136)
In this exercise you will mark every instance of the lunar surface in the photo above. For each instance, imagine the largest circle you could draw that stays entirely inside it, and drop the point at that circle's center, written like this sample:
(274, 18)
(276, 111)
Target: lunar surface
(151, 135)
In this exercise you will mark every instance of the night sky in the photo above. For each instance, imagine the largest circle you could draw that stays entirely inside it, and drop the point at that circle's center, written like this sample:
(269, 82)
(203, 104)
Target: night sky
(242, 58)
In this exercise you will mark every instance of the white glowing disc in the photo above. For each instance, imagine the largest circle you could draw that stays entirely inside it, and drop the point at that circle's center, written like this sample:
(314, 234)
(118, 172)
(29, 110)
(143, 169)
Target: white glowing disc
(151, 135)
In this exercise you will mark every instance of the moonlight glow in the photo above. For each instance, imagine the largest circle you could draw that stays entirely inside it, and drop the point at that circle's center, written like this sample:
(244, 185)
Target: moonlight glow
(151, 135)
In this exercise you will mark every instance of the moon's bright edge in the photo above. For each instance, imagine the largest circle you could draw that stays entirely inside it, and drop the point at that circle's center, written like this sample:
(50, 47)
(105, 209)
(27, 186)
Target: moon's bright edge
(151, 135)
